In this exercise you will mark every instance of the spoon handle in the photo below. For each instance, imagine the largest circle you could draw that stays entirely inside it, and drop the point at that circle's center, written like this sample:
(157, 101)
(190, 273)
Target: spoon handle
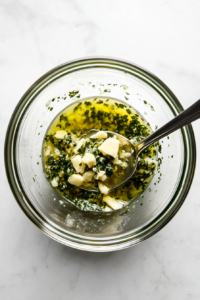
(186, 117)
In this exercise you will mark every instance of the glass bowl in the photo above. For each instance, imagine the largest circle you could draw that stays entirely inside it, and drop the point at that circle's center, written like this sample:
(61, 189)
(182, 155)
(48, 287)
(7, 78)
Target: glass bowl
(57, 217)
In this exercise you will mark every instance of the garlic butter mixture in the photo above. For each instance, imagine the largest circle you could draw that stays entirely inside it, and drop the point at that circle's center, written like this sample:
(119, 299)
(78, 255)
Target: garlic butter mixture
(80, 166)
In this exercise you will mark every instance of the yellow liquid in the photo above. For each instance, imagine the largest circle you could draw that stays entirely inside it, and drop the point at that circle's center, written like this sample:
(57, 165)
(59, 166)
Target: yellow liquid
(107, 114)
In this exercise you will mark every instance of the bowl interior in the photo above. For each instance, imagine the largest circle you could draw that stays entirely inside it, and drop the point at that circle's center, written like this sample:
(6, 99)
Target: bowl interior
(59, 218)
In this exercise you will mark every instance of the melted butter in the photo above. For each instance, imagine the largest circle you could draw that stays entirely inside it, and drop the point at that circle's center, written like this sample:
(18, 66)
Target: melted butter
(108, 114)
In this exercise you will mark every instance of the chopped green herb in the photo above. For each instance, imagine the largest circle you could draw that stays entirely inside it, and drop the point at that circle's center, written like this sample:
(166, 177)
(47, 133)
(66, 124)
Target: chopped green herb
(63, 118)
(119, 105)
(73, 93)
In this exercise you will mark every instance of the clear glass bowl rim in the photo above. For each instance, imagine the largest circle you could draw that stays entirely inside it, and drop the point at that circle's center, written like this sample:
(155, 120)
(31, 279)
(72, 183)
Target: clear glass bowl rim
(123, 241)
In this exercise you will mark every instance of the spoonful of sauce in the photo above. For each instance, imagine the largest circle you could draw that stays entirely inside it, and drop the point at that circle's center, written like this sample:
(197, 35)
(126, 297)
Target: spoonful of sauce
(186, 117)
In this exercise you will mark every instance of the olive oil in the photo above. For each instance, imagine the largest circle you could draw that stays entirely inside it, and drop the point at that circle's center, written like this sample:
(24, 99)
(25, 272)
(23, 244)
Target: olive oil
(106, 114)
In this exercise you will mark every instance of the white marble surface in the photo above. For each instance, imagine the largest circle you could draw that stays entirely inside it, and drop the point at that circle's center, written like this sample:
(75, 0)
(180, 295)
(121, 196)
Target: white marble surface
(160, 35)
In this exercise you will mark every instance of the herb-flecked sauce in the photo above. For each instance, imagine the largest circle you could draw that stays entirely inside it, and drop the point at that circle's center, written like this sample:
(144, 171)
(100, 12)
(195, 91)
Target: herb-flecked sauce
(101, 114)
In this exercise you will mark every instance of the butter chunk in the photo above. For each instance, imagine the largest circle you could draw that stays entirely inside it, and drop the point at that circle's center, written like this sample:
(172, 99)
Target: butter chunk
(78, 164)
(54, 182)
(88, 176)
(124, 154)
(75, 179)
(103, 178)
(114, 204)
(89, 159)
(60, 134)
(124, 165)
(107, 208)
(117, 161)
(79, 145)
(99, 135)
(103, 189)
(110, 147)
(57, 151)
(100, 176)
(48, 151)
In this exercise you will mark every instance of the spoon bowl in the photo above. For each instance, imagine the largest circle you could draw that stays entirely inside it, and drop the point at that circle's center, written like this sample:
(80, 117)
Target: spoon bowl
(132, 161)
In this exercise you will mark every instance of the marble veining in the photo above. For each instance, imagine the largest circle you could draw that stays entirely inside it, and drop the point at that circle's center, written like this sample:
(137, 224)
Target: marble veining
(160, 35)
